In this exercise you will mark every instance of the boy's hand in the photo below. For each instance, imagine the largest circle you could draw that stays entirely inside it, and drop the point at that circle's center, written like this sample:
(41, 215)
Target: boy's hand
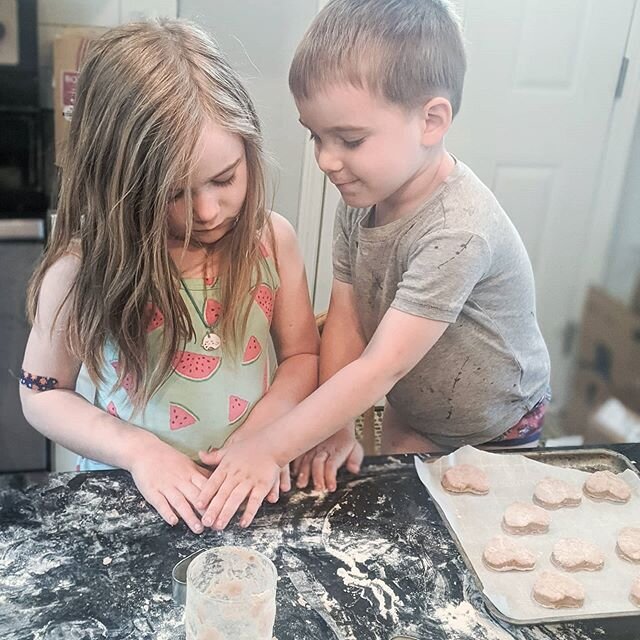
(281, 485)
(323, 461)
(244, 470)
(170, 482)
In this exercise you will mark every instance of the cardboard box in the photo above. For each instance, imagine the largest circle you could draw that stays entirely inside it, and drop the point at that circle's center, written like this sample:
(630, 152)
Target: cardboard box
(613, 422)
(608, 362)
(69, 51)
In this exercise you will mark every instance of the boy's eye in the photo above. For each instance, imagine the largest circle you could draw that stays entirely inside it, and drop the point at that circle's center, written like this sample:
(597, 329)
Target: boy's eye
(313, 137)
(352, 144)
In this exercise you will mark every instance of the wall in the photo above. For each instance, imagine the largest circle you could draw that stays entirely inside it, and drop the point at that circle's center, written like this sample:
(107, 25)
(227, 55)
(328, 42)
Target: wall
(259, 38)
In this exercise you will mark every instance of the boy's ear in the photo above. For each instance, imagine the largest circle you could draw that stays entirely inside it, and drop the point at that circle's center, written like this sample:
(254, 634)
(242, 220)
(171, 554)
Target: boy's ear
(438, 115)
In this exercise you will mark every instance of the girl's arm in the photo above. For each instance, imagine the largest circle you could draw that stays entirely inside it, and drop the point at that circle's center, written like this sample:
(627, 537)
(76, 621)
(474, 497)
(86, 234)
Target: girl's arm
(296, 343)
(294, 333)
(247, 469)
(68, 419)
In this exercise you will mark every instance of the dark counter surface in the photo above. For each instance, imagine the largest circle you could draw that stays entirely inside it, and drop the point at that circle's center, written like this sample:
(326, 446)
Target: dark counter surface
(82, 556)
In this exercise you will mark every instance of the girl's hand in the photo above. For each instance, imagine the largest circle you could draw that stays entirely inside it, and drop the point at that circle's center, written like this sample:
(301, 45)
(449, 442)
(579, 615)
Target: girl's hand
(244, 470)
(323, 461)
(170, 482)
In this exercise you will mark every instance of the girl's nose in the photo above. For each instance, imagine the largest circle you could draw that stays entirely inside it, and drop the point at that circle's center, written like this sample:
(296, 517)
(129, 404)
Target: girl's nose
(206, 207)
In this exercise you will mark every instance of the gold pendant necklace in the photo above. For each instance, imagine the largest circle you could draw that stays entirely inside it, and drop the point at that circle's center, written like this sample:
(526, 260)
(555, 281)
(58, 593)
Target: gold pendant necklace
(211, 340)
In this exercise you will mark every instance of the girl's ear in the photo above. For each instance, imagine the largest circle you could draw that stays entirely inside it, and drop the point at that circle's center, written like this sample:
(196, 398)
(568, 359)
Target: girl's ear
(437, 116)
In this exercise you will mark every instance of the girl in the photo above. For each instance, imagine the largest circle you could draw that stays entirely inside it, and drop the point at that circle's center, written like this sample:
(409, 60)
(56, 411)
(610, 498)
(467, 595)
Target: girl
(165, 274)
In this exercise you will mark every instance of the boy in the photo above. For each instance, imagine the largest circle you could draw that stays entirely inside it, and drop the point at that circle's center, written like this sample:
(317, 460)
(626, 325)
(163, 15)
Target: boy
(433, 301)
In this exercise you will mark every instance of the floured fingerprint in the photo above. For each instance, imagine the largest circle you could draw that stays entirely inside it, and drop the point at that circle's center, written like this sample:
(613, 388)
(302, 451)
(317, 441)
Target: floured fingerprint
(576, 554)
(503, 554)
(553, 493)
(557, 591)
(465, 478)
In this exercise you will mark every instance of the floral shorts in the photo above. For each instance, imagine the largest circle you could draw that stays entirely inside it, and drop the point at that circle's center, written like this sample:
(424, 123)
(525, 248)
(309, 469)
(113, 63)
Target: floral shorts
(526, 431)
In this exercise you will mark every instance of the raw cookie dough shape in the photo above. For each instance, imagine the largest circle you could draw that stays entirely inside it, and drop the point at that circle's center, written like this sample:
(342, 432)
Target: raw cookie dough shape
(503, 554)
(628, 544)
(576, 554)
(605, 485)
(465, 478)
(557, 591)
(553, 493)
(634, 594)
(522, 518)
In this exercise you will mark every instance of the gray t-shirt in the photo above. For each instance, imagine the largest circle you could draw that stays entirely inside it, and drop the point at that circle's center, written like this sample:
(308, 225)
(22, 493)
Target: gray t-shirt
(458, 259)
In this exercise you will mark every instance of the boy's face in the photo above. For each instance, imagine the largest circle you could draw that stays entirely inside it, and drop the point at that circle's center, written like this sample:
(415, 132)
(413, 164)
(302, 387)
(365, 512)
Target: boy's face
(369, 148)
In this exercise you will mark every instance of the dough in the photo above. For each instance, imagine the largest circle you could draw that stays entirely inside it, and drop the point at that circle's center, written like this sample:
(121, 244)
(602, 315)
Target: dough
(604, 485)
(552, 493)
(555, 590)
(634, 595)
(575, 554)
(503, 554)
(628, 546)
(521, 518)
(465, 478)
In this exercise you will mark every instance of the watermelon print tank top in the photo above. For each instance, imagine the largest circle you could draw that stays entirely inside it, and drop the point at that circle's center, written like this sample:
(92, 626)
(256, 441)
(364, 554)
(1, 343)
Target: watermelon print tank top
(210, 393)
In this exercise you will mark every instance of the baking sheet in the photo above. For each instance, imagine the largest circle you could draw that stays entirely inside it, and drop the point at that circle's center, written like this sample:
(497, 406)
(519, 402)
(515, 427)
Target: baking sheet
(475, 519)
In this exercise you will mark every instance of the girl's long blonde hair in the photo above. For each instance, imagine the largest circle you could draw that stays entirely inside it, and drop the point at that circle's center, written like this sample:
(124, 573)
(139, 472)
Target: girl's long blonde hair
(144, 94)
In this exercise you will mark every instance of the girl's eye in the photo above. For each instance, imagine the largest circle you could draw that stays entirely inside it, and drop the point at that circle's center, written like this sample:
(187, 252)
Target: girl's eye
(224, 183)
(352, 144)
(176, 196)
(313, 137)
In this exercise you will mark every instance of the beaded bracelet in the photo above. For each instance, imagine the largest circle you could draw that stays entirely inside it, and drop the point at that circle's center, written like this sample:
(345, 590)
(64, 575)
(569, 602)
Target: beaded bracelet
(40, 383)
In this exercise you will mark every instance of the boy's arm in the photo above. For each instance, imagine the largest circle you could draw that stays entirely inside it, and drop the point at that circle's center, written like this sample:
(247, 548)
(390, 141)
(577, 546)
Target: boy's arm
(296, 344)
(342, 343)
(248, 469)
(68, 419)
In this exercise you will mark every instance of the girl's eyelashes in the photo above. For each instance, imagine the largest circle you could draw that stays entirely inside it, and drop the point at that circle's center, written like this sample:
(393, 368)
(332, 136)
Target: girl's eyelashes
(216, 183)
(224, 183)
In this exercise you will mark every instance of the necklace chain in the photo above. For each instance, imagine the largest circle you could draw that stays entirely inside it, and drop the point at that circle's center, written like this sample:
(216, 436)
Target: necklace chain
(209, 327)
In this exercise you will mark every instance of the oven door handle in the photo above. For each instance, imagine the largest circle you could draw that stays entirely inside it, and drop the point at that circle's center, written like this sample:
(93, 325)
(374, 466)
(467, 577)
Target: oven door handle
(24, 229)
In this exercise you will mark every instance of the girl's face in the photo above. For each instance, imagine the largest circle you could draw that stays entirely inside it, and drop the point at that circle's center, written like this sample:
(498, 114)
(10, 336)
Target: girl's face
(219, 188)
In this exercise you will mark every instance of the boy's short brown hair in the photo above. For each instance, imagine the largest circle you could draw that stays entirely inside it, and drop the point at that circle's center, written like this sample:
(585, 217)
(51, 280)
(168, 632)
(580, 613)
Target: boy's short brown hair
(406, 51)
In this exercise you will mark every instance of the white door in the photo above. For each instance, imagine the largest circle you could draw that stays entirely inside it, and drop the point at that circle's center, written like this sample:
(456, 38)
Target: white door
(536, 111)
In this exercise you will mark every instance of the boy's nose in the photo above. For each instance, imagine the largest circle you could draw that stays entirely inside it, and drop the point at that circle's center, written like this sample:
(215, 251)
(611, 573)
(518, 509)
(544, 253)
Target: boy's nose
(327, 161)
